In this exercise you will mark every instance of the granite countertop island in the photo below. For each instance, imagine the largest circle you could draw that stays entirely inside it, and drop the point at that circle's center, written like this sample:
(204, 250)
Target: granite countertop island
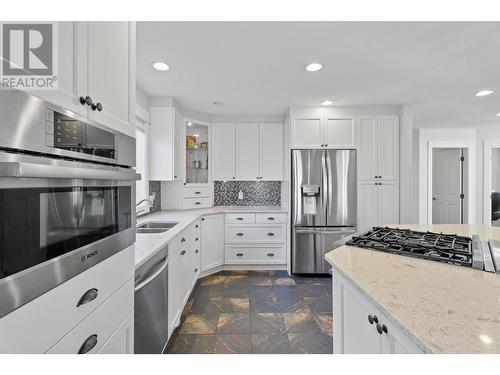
(442, 308)
(148, 244)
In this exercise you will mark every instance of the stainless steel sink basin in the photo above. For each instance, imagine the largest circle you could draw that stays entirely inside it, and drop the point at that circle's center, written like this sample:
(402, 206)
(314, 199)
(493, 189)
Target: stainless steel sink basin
(155, 226)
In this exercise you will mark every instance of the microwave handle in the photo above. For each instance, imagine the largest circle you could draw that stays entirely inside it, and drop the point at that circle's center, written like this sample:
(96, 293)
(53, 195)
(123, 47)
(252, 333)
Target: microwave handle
(35, 170)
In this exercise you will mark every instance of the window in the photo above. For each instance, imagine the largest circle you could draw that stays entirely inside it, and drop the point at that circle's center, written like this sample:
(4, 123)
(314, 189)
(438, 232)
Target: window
(142, 164)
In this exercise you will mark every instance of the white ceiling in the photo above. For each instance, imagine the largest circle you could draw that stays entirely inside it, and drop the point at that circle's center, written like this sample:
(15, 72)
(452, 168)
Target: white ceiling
(258, 67)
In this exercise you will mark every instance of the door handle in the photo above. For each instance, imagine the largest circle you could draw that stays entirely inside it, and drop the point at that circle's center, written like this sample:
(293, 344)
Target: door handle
(88, 344)
(88, 296)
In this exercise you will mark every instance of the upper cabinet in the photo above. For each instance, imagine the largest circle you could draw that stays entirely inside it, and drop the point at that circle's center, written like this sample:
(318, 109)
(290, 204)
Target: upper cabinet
(378, 156)
(165, 140)
(322, 128)
(96, 75)
(247, 152)
(223, 152)
(197, 152)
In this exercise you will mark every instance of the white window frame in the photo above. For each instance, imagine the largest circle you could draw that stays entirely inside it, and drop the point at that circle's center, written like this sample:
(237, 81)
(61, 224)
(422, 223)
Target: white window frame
(144, 206)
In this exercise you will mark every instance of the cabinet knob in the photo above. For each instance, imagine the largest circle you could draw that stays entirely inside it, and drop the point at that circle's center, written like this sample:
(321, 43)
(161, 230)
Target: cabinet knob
(270, 254)
(375, 319)
(234, 178)
(375, 176)
(379, 176)
(202, 219)
(197, 226)
(183, 239)
(239, 255)
(97, 106)
(183, 252)
(197, 251)
(322, 145)
(379, 328)
(270, 234)
(85, 100)
(196, 239)
(326, 145)
(195, 270)
(88, 344)
(88, 296)
(370, 319)
(384, 328)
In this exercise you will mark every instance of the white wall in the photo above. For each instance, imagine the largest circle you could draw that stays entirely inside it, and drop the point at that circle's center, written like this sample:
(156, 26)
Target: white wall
(495, 169)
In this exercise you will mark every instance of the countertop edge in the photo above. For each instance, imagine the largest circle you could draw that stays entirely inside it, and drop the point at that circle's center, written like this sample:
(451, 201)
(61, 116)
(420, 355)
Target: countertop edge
(411, 335)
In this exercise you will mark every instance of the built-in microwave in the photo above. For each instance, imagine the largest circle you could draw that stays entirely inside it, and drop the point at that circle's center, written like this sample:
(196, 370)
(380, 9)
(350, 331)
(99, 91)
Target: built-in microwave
(63, 209)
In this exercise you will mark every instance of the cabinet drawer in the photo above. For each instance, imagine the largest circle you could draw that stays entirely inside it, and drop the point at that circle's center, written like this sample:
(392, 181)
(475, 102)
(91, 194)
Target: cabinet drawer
(100, 325)
(270, 218)
(268, 233)
(255, 255)
(201, 202)
(36, 326)
(240, 218)
(195, 192)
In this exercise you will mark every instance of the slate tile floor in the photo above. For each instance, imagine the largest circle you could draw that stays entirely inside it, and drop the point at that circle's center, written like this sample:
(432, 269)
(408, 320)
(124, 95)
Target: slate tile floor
(261, 312)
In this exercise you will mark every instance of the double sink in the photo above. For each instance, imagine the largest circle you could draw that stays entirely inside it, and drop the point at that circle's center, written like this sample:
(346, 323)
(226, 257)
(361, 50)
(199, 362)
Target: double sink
(155, 226)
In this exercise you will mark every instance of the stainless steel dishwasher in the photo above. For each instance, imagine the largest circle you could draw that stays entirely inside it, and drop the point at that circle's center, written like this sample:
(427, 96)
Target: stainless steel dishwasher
(151, 305)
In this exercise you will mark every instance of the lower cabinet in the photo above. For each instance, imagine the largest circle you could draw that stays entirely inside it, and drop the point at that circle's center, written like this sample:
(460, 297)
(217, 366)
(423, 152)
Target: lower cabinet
(360, 328)
(122, 341)
(378, 203)
(212, 244)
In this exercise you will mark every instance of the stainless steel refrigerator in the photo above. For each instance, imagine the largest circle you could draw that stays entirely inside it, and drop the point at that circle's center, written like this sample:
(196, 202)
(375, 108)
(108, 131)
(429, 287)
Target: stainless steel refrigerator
(323, 205)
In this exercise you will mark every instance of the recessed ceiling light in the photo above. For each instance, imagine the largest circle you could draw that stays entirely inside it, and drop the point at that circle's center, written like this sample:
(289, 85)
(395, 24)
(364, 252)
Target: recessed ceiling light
(498, 114)
(484, 93)
(161, 66)
(190, 123)
(217, 103)
(326, 102)
(313, 67)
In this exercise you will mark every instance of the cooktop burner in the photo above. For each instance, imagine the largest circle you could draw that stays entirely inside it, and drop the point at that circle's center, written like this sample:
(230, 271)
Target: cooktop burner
(447, 248)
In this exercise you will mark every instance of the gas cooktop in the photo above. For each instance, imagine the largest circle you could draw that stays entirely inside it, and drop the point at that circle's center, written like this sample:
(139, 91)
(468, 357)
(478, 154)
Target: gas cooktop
(441, 247)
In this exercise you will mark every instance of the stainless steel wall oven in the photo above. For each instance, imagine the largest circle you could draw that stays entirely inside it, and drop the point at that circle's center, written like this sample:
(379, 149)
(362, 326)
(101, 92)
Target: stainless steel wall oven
(67, 192)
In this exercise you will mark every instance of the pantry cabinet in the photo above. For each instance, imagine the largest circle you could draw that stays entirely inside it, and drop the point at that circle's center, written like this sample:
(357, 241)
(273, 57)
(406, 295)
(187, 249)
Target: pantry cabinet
(212, 245)
(378, 203)
(97, 62)
(378, 155)
(361, 328)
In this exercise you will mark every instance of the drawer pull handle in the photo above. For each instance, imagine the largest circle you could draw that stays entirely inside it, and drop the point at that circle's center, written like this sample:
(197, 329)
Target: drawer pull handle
(239, 234)
(239, 218)
(370, 319)
(197, 202)
(239, 255)
(270, 218)
(379, 329)
(197, 251)
(183, 239)
(88, 345)
(270, 234)
(88, 296)
(183, 252)
(196, 239)
(270, 254)
(196, 226)
(197, 192)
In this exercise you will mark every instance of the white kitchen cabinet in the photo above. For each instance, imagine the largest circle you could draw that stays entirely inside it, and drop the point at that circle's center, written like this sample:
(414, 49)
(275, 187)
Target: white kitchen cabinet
(378, 203)
(307, 132)
(271, 152)
(378, 156)
(175, 289)
(361, 328)
(247, 152)
(212, 241)
(339, 132)
(223, 152)
(122, 340)
(165, 140)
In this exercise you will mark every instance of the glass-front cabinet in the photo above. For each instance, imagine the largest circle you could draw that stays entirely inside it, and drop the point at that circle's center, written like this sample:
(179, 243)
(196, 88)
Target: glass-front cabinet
(197, 159)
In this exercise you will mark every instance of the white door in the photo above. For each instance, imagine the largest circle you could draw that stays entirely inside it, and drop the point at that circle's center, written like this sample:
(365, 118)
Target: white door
(360, 337)
(367, 154)
(247, 152)
(271, 152)
(108, 73)
(223, 152)
(339, 132)
(307, 133)
(388, 147)
(72, 61)
(387, 202)
(212, 242)
(446, 186)
(367, 204)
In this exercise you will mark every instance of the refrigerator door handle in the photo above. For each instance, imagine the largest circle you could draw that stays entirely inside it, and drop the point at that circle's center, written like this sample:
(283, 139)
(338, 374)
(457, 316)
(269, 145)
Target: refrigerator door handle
(324, 185)
(329, 186)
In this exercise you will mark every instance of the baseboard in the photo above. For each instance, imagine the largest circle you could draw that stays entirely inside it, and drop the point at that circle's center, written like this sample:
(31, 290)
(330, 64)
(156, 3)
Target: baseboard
(244, 267)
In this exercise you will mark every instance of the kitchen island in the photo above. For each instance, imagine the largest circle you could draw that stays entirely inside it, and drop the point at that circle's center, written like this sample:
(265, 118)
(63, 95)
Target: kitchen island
(388, 303)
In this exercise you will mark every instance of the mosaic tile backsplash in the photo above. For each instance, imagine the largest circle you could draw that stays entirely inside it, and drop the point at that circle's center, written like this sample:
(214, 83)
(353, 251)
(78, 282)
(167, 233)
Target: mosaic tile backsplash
(263, 193)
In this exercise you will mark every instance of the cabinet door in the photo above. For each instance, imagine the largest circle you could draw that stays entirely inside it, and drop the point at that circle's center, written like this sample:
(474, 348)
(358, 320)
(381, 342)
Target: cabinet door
(223, 152)
(109, 73)
(174, 289)
(339, 132)
(162, 144)
(367, 154)
(307, 132)
(247, 152)
(212, 242)
(367, 204)
(388, 203)
(72, 68)
(388, 147)
(271, 152)
(177, 147)
(360, 337)
(122, 340)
